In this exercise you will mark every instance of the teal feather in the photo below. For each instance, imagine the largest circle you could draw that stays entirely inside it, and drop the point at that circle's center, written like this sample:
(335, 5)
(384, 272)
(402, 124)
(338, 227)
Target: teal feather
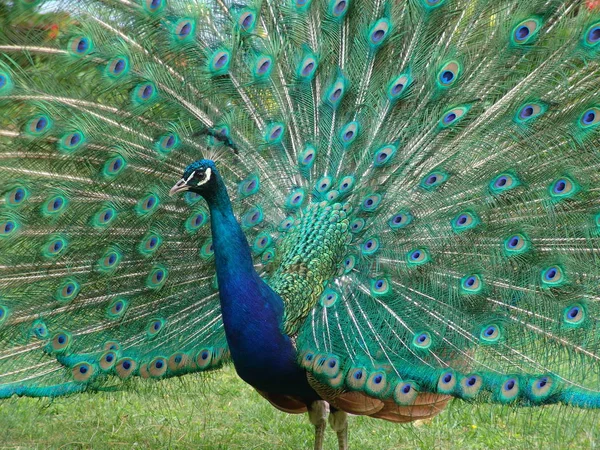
(416, 184)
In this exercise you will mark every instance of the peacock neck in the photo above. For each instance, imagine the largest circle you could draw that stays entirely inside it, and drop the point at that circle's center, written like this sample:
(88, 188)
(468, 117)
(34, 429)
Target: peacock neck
(252, 312)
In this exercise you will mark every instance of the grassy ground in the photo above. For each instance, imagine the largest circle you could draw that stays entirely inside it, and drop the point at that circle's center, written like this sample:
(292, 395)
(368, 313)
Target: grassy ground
(221, 412)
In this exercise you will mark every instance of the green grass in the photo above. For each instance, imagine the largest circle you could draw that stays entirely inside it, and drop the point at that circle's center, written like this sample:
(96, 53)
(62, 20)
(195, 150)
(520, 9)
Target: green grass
(221, 412)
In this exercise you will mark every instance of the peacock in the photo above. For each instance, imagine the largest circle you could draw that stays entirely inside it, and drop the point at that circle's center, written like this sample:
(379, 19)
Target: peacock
(366, 206)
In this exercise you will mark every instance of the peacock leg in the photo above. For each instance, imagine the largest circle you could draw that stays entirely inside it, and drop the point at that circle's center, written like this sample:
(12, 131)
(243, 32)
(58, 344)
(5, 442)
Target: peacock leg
(317, 414)
(339, 423)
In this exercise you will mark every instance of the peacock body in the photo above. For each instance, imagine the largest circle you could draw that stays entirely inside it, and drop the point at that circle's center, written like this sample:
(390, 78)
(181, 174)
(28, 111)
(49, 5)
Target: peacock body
(381, 204)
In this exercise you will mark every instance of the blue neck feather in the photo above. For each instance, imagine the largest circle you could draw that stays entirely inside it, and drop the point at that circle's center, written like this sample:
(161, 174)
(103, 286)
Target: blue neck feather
(252, 312)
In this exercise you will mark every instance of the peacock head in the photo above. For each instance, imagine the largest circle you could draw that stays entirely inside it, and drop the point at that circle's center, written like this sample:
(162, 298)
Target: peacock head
(200, 177)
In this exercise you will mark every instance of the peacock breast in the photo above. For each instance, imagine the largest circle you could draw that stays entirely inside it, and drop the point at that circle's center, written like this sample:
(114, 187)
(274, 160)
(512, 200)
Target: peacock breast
(311, 254)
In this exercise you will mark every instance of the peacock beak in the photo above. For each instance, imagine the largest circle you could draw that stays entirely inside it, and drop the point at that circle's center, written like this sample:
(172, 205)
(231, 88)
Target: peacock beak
(180, 186)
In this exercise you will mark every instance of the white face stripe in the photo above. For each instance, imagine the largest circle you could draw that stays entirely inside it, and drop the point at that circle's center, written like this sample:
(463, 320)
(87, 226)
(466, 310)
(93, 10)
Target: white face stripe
(190, 177)
(206, 177)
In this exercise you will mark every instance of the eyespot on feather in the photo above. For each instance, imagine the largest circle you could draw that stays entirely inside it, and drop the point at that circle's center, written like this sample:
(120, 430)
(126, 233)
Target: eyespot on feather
(263, 66)
(249, 186)
(516, 244)
(553, 276)
(109, 261)
(157, 367)
(503, 182)
(356, 378)
(591, 37)
(490, 334)
(157, 277)
(67, 291)
(384, 155)
(71, 142)
(349, 133)
(125, 367)
(329, 298)
(247, 20)
(6, 83)
(16, 196)
(112, 345)
(540, 388)
(470, 386)
(218, 62)
(178, 362)
(338, 8)
(398, 87)
(274, 133)
(55, 205)
(529, 111)
(446, 382)
(117, 67)
(574, 315)
(114, 166)
(380, 287)
(104, 217)
(150, 244)
(117, 308)
(562, 188)
(167, 143)
(197, 220)
(370, 246)
(261, 242)
(471, 284)
(253, 217)
(59, 343)
(400, 220)
(464, 221)
(207, 250)
(432, 4)
(38, 329)
(433, 180)
(154, 6)
(346, 184)
(108, 360)
(307, 157)
(422, 340)
(302, 5)
(453, 116)
(82, 372)
(526, 31)
(144, 94)
(377, 384)
(349, 263)
(203, 358)
(295, 198)
(39, 125)
(335, 93)
(80, 46)
(417, 257)
(148, 204)
(323, 184)
(9, 226)
(154, 327)
(405, 393)
(184, 30)
(54, 247)
(268, 255)
(370, 202)
(4, 314)
(379, 32)
(448, 74)
(509, 390)
(357, 225)
(308, 67)
(590, 118)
